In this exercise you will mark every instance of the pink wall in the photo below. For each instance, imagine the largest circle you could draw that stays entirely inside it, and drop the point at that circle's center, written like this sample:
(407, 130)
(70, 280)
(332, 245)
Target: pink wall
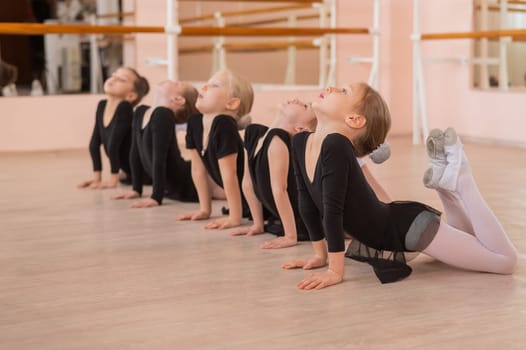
(491, 115)
(47, 122)
(61, 122)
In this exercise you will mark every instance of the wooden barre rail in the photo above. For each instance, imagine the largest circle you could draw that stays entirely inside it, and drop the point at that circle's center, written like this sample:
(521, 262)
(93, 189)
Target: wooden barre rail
(39, 29)
(253, 47)
(272, 21)
(490, 34)
(115, 15)
(497, 9)
(293, 1)
(246, 12)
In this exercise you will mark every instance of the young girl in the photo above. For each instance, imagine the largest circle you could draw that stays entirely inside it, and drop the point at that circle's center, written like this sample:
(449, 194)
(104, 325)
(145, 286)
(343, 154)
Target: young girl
(155, 149)
(268, 180)
(352, 122)
(124, 89)
(216, 146)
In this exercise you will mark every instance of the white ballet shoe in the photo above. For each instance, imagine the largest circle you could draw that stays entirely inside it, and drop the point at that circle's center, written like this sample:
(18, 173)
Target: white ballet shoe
(437, 158)
(454, 151)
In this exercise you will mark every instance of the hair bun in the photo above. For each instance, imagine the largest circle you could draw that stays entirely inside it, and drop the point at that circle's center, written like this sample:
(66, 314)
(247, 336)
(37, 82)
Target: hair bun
(244, 121)
(381, 153)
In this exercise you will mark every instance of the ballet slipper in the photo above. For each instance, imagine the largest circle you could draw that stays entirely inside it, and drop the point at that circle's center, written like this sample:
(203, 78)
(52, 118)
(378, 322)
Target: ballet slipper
(453, 149)
(437, 158)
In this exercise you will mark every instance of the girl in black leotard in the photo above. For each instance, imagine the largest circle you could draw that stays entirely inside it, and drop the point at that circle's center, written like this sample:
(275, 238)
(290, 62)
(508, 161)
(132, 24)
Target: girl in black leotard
(155, 149)
(268, 181)
(216, 146)
(124, 89)
(335, 198)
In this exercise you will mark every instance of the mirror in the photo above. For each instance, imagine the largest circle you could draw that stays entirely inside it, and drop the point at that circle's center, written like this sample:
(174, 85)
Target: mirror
(55, 63)
(62, 64)
(515, 50)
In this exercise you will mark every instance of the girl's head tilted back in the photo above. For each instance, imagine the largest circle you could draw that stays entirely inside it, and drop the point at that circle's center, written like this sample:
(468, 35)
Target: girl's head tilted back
(297, 115)
(378, 120)
(227, 93)
(125, 83)
(362, 109)
(178, 96)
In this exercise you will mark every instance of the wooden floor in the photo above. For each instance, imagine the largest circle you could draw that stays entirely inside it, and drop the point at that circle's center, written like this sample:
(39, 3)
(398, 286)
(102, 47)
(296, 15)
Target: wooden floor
(79, 271)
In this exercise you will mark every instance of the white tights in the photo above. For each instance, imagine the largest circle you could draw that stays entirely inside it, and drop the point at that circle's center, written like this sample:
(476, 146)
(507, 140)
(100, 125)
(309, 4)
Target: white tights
(472, 238)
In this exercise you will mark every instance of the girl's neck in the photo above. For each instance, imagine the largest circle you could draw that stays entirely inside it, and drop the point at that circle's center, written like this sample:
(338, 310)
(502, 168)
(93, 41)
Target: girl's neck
(281, 122)
(325, 128)
(212, 115)
(113, 100)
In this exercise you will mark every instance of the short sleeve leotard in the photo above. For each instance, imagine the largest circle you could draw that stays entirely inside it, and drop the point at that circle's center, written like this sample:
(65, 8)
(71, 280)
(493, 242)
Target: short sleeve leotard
(156, 152)
(338, 199)
(258, 164)
(114, 137)
(223, 140)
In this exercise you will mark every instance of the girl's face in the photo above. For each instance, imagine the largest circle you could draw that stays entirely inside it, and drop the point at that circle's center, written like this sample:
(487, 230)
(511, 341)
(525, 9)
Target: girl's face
(121, 84)
(337, 103)
(215, 95)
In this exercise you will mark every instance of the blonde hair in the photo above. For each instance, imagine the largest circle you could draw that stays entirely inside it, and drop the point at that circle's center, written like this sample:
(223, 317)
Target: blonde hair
(242, 89)
(375, 110)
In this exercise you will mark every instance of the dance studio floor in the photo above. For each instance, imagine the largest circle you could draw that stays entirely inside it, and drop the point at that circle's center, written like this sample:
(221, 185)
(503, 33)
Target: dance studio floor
(80, 271)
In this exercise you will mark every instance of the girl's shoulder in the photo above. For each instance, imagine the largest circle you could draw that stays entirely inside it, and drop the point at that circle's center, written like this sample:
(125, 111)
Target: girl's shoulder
(255, 131)
(125, 106)
(281, 133)
(163, 118)
(224, 119)
(337, 140)
(194, 120)
(138, 115)
(141, 109)
(337, 148)
(300, 139)
(100, 107)
(224, 123)
(161, 112)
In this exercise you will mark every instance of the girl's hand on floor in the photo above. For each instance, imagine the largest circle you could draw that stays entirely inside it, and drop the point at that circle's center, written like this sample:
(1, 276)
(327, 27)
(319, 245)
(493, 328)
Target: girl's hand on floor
(319, 280)
(221, 224)
(247, 231)
(126, 195)
(306, 264)
(195, 215)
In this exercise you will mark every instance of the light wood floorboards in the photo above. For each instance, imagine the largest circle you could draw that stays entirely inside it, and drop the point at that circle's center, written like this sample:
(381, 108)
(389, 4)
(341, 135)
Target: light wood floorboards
(79, 271)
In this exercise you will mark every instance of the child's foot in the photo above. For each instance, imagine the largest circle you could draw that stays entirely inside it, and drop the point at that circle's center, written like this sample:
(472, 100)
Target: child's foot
(437, 158)
(453, 149)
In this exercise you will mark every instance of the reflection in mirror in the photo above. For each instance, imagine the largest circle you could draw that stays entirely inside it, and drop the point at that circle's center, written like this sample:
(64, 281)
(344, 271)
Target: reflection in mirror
(294, 61)
(494, 15)
(55, 63)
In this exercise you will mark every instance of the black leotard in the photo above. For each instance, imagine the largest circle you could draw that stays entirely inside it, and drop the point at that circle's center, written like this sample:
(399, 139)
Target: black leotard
(115, 138)
(155, 151)
(223, 140)
(258, 164)
(339, 200)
